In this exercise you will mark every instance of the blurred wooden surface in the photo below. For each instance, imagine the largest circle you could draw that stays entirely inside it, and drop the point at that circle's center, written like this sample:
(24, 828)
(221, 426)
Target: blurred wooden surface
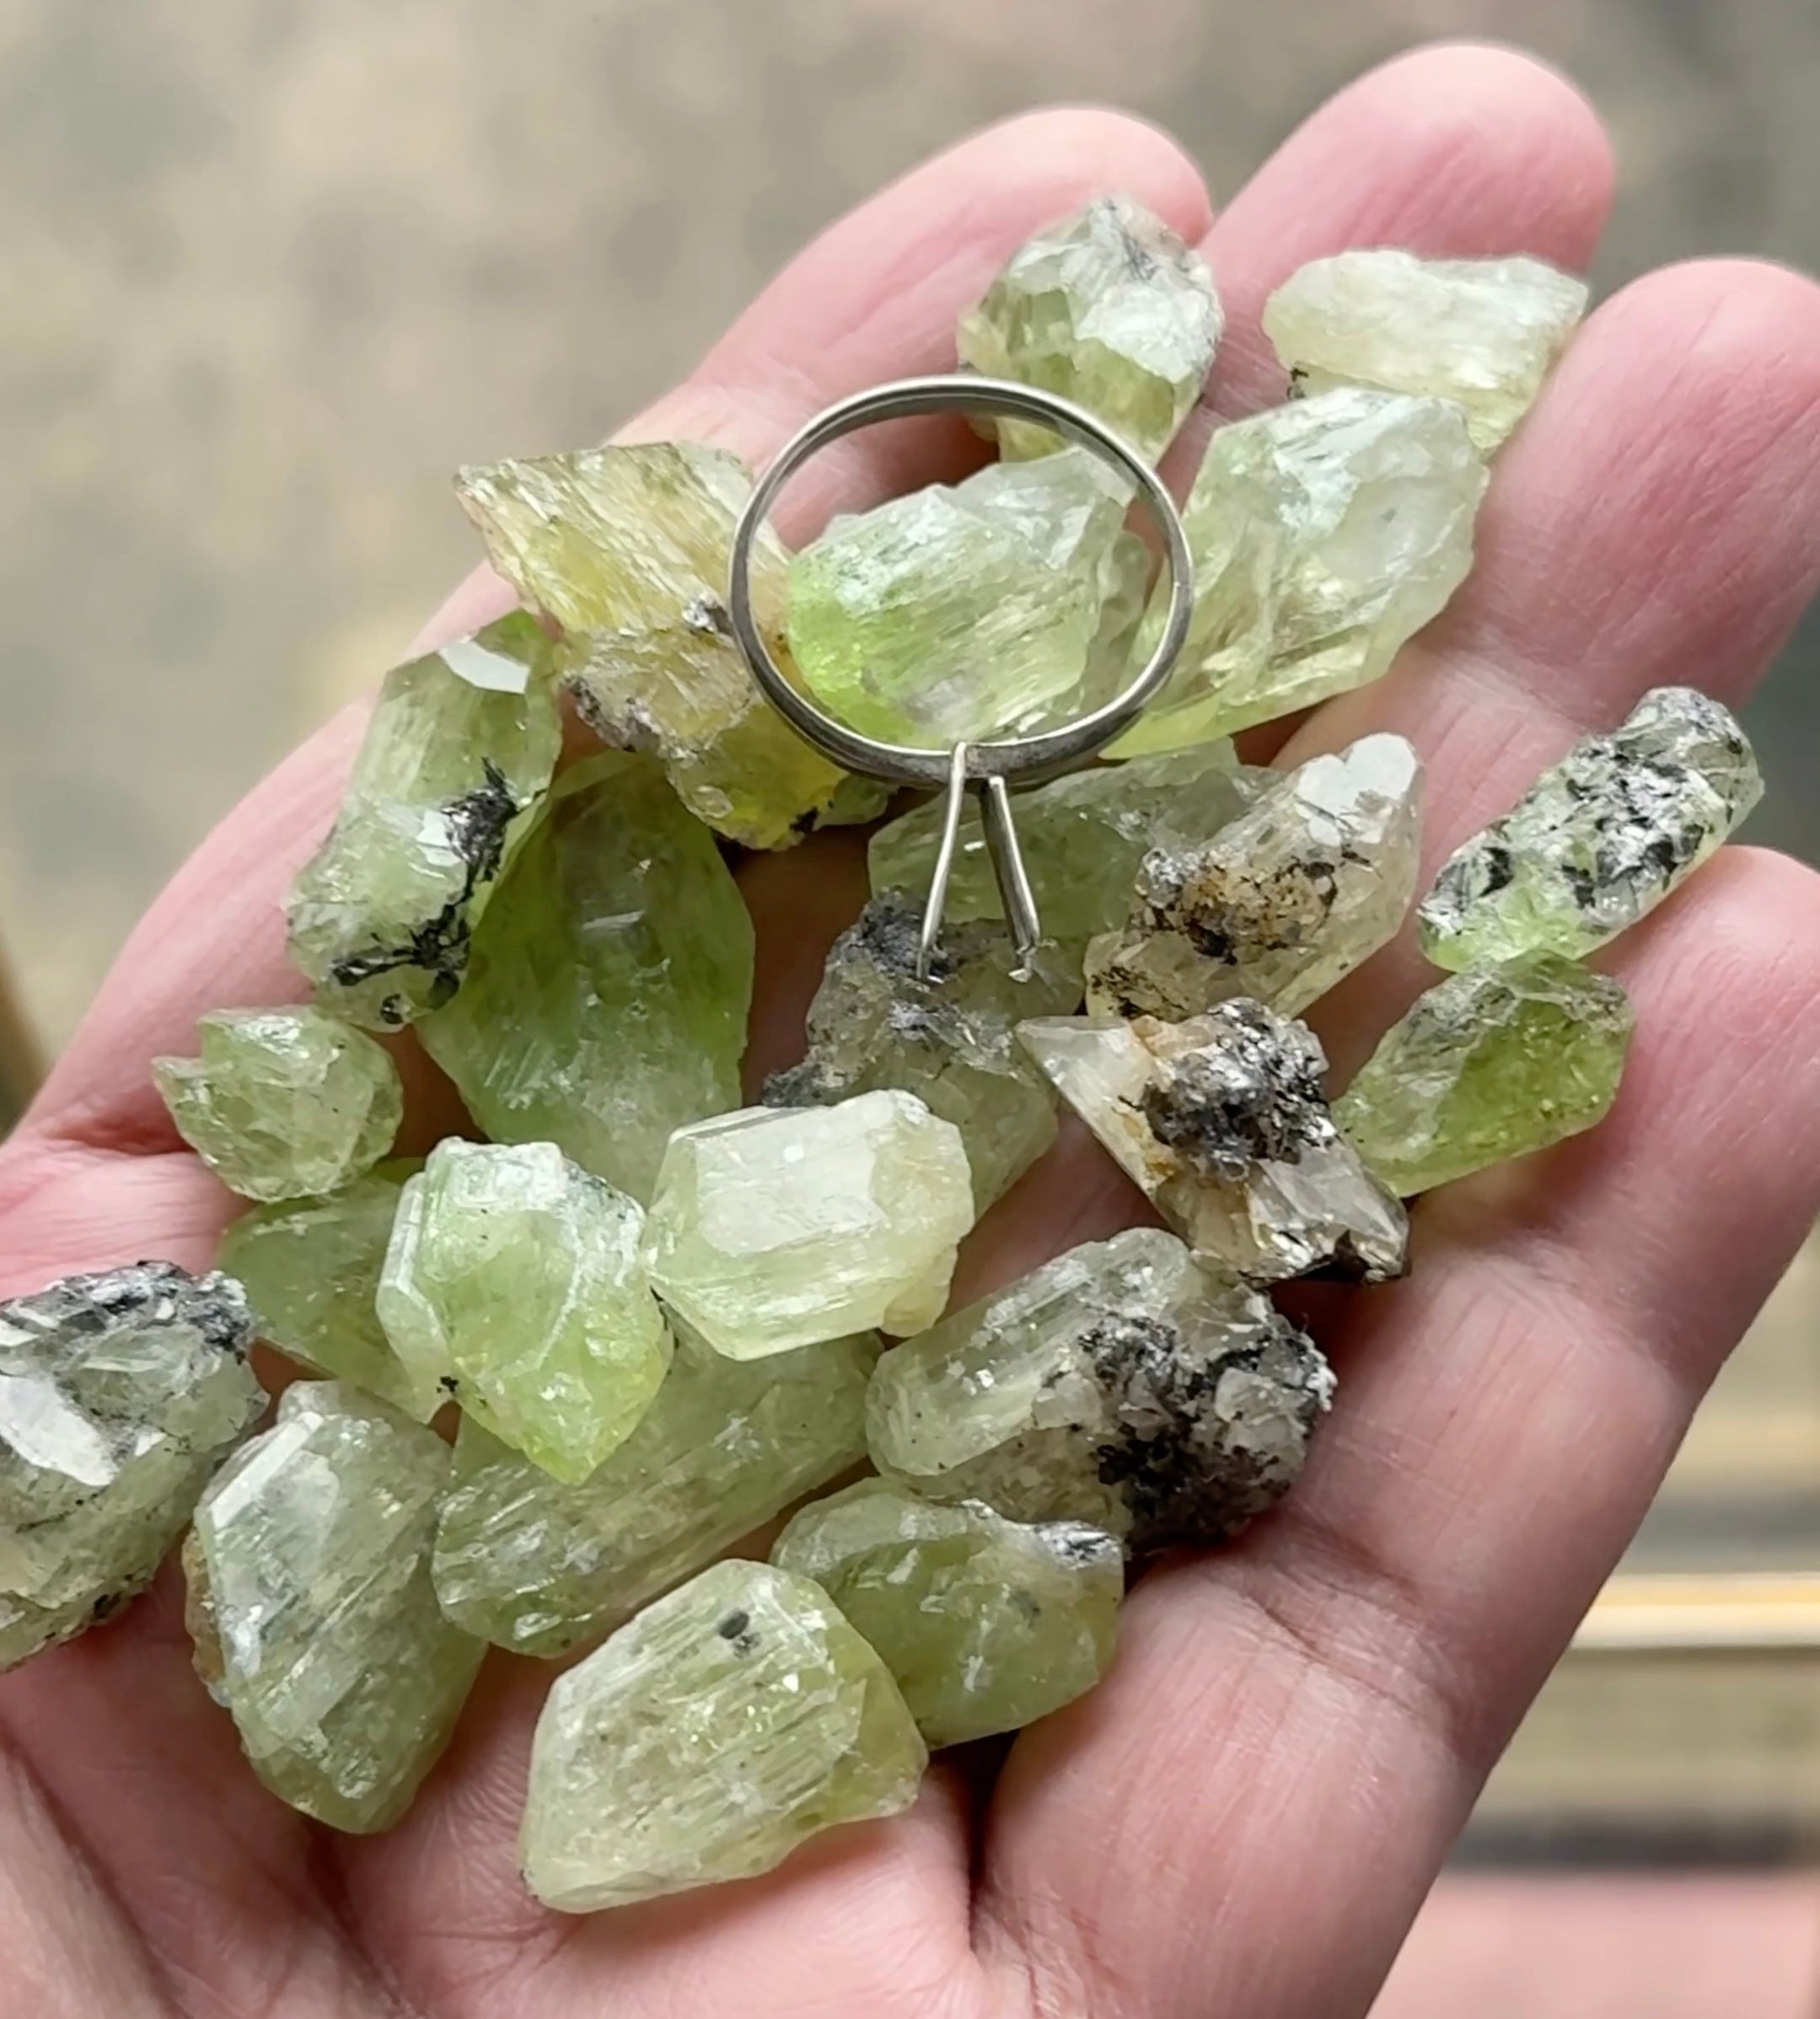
(19, 1060)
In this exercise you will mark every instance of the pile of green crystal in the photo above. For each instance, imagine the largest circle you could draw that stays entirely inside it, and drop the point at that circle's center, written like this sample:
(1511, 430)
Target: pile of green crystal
(563, 1362)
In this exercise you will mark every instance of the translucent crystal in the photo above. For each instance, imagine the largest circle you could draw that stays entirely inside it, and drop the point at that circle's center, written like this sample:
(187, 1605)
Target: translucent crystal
(946, 1039)
(460, 746)
(1492, 1063)
(1083, 837)
(119, 1395)
(1480, 332)
(1279, 905)
(1599, 841)
(1222, 1123)
(986, 1625)
(780, 1226)
(963, 611)
(1325, 534)
(1108, 307)
(283, 1103)
(513, 1277)
(1122, 1384)
(725, 1726)
(311, 1271)
(607, 1001)
(628, 548)
(540, 1568)
(310, 1600)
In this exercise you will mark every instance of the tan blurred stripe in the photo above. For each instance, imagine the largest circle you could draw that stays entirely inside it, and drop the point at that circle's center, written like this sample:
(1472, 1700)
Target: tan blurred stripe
(20, 1062)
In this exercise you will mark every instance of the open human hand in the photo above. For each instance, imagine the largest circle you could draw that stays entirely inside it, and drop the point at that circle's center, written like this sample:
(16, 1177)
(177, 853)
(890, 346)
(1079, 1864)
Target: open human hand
(1243, 1817)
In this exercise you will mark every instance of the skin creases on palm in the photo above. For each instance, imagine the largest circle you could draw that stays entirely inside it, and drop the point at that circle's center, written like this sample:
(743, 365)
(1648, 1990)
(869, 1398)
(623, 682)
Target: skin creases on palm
(1246, 1814)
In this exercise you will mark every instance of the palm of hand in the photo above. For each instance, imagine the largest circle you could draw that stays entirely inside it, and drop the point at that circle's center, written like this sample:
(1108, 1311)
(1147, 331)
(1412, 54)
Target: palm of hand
(1244, 1816)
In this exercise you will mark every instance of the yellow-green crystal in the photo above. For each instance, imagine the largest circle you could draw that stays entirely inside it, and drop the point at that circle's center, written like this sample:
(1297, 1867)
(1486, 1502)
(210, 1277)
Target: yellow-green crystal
(540, 1567)
(1083, 837)
(606, 1001)
(965, 611)
(1482, 333)
(986, 1624)
(1489, 1063)
(1600, 839)
(726, 1725)
(777, 1227)
(120, 1395)
(1293, 895)
(283, 1103)
(312, 1266)
(947, 1039)
(1122, 1384)
(1108, 308)
(1221, 1120)
(1325, 534)
(513, 1277)
(460, 745)
(628, 549)
(310, 1596)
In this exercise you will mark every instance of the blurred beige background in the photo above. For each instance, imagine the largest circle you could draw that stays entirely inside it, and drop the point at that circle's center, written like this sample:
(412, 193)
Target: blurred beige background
(268, 268)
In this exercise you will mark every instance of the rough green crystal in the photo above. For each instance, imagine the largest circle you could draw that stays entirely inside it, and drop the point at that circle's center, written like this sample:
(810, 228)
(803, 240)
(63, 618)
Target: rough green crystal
(315, 1621)
(540, 1568)
(1492, 1063)
(119, 1395)
(628, 548)
(283, 1103)
(725, 1726)
(1108, 307)
(1279, 905)
(513, 1277)
(460, 746)
(1325, 534)
(1480, 332)
(312, 1270)
(777, 1227)
(1599, 841)
(965, 611)
(1083, 837)
(1222, 1123)
(1122, 1384)
(948, 1038)
(606, 1002)
(986, 1625)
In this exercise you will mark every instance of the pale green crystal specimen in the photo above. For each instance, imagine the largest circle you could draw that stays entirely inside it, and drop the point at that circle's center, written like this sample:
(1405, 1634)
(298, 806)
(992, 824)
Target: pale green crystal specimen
(1108, 308)
(1222, 1123)
(725, 1726)
(315, 1621)
(460, 745)
(1599, 841)
(119, 1395)
(513, 1277)
(946, 1039)
(986, 1625)
(606, 1003)
(540, 1568)
(965, 611)
(1083, 837)
(628, 548)
(1122, 1384)
(312, 1270)
(1294, 894)
(777, 1227)
(1480, 332)
(1492, 1063)
(1325, 534)
(283, 1103)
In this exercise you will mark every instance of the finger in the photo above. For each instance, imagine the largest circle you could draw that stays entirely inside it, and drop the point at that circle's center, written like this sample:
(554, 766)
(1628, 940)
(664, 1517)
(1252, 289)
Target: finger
(1655, 520)
(1295, 1729)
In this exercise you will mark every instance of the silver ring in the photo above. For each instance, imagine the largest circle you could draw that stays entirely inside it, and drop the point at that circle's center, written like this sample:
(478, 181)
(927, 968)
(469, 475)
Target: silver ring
(1053, 750)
